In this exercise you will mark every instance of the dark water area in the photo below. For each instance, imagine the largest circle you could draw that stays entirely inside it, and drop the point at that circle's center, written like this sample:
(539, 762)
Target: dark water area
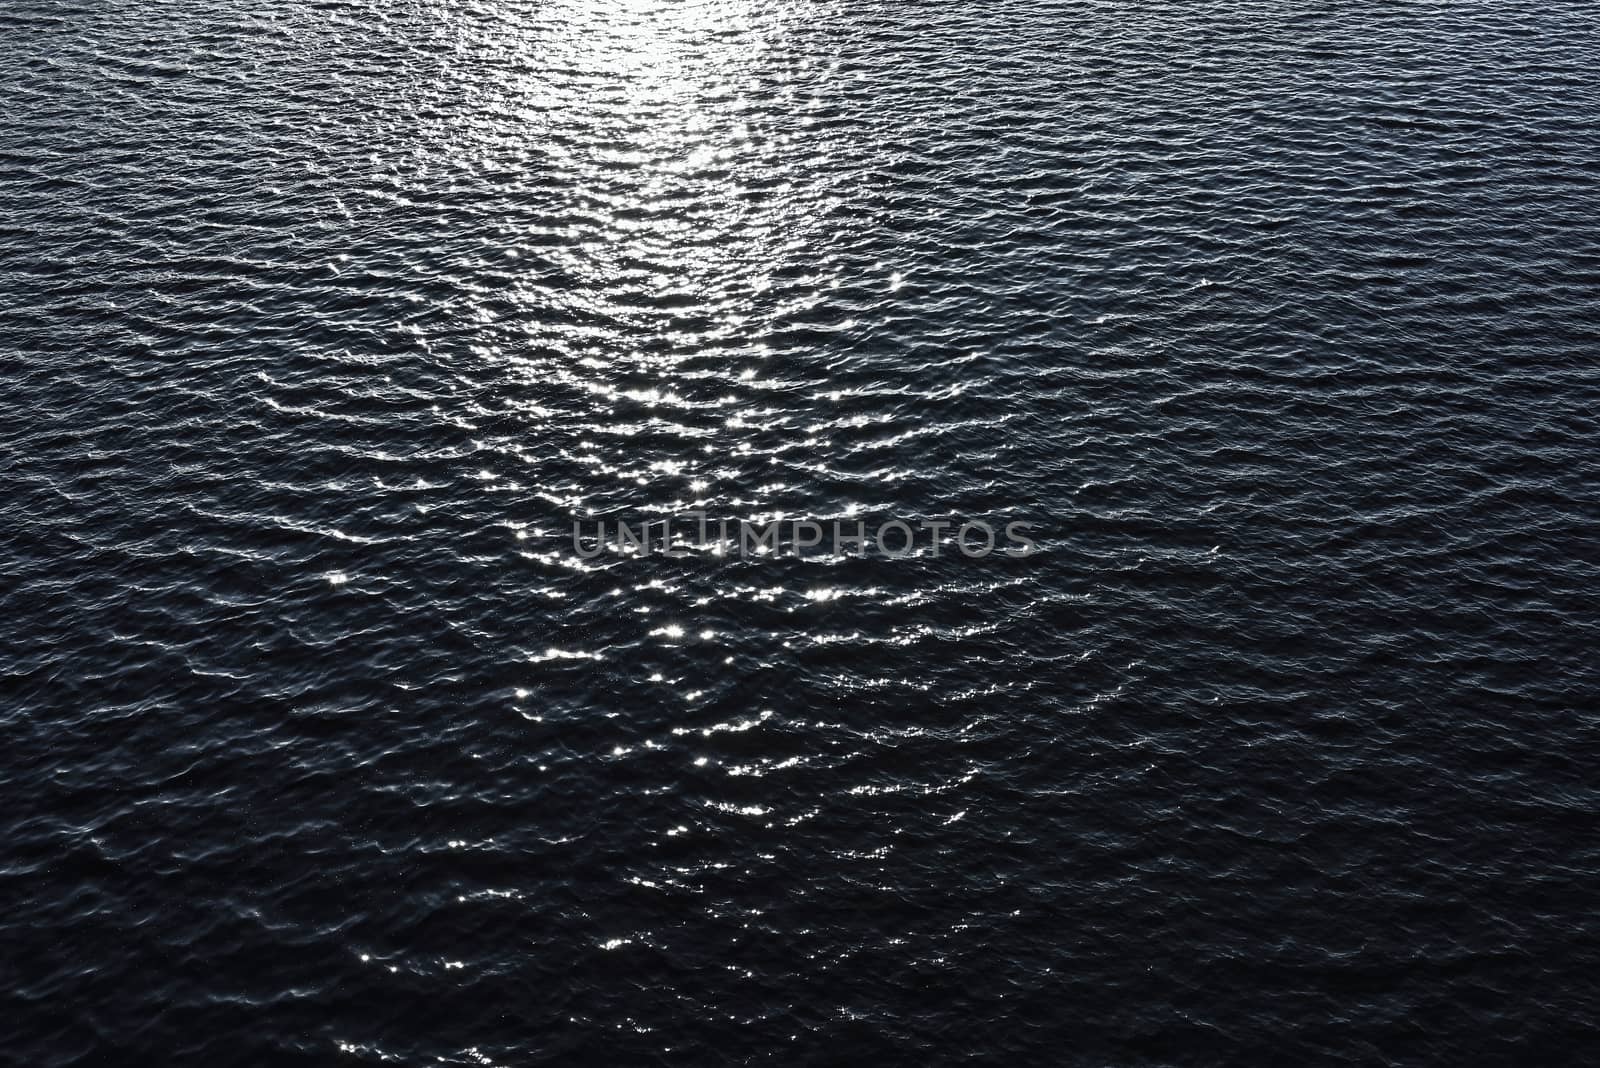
(322, 322)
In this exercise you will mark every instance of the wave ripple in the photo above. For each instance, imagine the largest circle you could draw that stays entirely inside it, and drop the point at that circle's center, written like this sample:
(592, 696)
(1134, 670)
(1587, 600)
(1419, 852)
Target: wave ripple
(323, 321)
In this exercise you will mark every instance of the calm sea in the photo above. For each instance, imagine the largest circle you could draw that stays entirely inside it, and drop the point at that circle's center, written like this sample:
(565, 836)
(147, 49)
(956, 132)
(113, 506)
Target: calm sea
(322, 323)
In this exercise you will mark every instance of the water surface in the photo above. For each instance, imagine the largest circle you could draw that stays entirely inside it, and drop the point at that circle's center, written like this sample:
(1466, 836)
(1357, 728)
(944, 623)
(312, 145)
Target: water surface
(321, 322)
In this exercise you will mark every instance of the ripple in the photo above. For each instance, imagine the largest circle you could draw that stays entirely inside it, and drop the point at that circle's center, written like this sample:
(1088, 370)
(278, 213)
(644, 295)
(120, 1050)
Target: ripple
(326, 322)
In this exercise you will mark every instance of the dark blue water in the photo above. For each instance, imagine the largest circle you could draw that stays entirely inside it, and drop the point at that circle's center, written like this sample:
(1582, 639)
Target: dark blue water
(322, 322)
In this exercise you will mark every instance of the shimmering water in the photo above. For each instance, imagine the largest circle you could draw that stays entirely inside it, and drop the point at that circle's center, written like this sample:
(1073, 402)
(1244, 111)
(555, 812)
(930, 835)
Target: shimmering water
(320, 323)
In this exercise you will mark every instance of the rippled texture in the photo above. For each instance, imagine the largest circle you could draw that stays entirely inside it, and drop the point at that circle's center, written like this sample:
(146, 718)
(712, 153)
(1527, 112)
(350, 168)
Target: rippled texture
(322, 322)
